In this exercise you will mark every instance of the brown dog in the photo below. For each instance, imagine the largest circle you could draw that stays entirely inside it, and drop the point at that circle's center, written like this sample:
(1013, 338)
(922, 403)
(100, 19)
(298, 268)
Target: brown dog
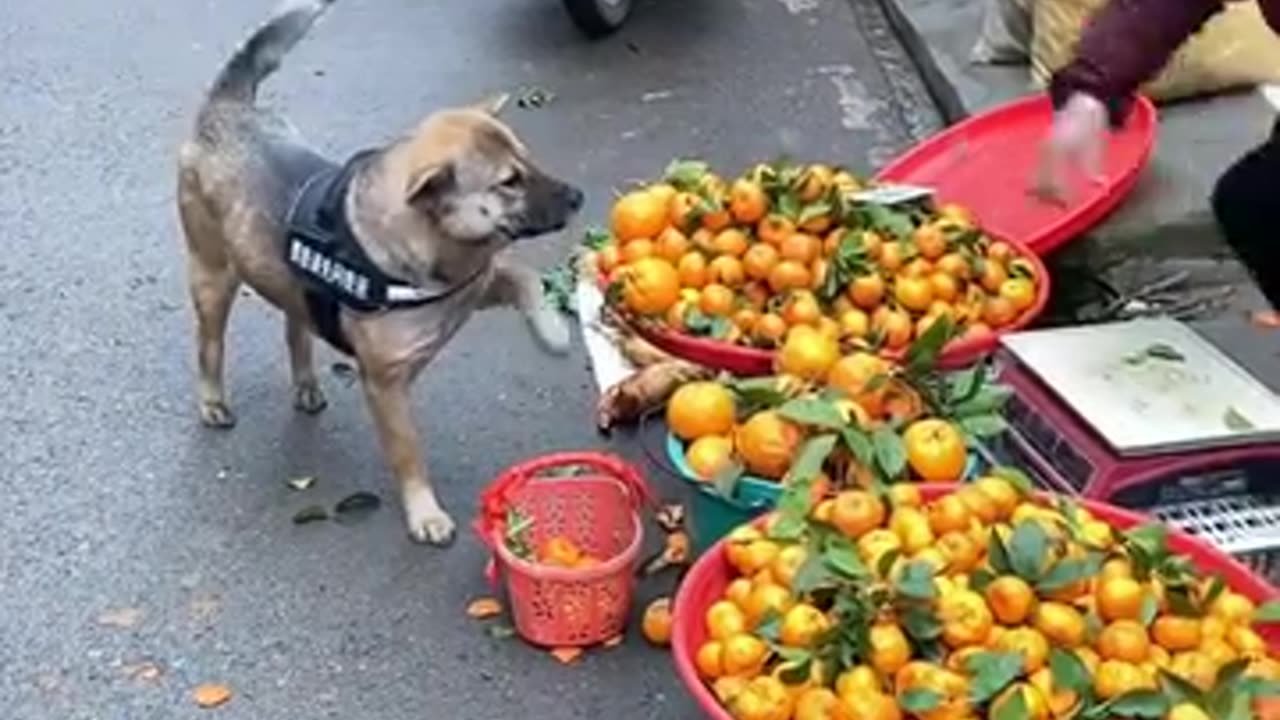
(386, 257)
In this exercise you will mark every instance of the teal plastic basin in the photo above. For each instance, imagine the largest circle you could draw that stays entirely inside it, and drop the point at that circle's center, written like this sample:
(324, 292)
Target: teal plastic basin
(712, 516)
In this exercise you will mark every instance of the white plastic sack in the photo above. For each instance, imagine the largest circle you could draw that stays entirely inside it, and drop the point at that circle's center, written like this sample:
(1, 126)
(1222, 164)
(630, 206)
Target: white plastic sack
(1005, 38)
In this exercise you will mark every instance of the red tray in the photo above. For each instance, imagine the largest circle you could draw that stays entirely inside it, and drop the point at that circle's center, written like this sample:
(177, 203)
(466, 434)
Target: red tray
(710, 575)
(987, 164)
(741, 360)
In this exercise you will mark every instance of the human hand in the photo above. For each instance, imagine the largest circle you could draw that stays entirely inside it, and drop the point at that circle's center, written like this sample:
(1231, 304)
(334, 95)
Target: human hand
(1075, 143)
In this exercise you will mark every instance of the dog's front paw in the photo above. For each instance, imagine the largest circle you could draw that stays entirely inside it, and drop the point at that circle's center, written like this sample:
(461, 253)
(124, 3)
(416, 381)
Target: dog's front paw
(551, 330)
(309, 398)
(428, 523)
(216, 414)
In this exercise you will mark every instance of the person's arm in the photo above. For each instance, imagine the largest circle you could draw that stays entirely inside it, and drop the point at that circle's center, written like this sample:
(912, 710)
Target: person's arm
(1126, 44)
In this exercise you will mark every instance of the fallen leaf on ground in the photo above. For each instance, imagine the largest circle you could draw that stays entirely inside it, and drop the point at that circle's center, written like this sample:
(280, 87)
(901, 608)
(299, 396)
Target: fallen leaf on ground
(501, 632)
(301, 483)
(143, 671)
(211, 696)
(310, 514)
(613, 642)
(121, 618)
(567, 655)
(1269, 319)
(484, 608)
(356, 507)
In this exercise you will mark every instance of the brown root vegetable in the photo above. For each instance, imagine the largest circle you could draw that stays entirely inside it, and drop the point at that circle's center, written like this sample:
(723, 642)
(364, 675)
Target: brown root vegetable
(646, 389)
(641, 352)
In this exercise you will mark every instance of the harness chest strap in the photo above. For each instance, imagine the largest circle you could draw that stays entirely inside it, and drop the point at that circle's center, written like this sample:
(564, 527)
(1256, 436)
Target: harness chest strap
(336, 273)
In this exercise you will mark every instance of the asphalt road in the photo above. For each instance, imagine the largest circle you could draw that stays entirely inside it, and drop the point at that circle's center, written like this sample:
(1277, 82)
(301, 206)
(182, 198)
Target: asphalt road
(141, 555)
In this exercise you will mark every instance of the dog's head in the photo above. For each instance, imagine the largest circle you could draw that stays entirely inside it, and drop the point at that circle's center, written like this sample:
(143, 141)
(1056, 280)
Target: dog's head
(474, 179)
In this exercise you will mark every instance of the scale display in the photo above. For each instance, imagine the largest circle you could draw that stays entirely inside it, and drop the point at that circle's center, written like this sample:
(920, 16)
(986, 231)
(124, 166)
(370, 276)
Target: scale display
(1222, 484)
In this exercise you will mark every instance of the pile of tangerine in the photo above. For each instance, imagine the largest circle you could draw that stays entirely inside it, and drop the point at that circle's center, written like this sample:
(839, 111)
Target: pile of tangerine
(946, 627)
(765, 442)
(744, 261)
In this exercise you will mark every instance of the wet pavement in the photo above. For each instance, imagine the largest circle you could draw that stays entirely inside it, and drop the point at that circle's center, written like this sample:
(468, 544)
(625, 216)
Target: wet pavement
(141, 555)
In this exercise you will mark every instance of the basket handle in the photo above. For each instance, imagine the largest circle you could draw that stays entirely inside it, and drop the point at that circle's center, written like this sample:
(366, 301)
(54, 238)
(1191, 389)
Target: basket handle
(495, 498)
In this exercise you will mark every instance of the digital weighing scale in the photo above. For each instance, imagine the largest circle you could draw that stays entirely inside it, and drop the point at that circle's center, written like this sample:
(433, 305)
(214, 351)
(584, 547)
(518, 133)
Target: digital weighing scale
(1148, 415)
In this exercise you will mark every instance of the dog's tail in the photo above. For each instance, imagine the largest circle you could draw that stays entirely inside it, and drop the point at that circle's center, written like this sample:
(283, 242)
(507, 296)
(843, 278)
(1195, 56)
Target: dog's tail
(261, 54)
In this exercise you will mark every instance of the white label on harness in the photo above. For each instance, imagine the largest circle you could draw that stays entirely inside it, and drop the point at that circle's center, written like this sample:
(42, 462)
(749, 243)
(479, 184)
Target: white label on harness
(328, 271)
(893, 194)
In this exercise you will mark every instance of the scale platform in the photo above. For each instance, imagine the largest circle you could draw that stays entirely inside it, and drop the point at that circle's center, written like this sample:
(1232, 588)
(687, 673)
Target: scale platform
(1148, 414)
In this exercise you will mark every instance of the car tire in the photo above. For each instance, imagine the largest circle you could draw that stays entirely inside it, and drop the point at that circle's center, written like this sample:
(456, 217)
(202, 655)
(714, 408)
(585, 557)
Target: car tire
(598, 18)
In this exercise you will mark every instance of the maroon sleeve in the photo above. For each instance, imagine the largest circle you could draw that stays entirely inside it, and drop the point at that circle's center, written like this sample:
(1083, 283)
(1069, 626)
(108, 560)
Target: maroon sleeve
(1127, 43)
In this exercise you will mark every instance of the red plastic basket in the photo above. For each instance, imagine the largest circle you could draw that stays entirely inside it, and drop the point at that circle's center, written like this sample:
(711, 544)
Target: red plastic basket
(710, 575)
(600, 512)
(741, 360)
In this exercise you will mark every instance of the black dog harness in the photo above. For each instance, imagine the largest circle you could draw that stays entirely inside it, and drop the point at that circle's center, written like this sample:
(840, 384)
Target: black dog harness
(323, 252)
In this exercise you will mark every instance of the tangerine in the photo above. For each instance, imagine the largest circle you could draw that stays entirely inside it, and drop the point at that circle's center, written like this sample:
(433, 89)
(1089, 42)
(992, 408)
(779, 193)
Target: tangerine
(802, 625)
(743, 654)
(808, 355)
(966, 619)
(1011, 599)
(1030, 643)
(748, 202)
(726, 270)
(930, 241)
(638, 214)
(1119, 598)
(717, 300)
(1020, 292)
(708, 660)
(854, 324)
(770, 329)
(759, 260)
(1061, 623)
(700, 408)
(1124, 640)
(955, 265)
(1175, 633)
(892, 257)
(997, 312)
(709, 455)
(889, 649)
(672, 245)
(936, 450)
(768, 443)
(691, 270)
(637, 249)
(731, 241)
(857, 512)
(650, 286)
(866, 291)
(773, 229)
(914, 293)
(656, 622)
(789, 275)
(801, 247)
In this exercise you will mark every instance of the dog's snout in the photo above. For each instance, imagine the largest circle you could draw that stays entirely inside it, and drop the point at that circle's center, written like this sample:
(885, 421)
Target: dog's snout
(575, 197)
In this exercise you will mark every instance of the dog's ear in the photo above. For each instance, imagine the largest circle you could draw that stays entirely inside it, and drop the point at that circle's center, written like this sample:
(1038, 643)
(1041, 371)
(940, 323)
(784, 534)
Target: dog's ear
(427, 181)
(493, 105)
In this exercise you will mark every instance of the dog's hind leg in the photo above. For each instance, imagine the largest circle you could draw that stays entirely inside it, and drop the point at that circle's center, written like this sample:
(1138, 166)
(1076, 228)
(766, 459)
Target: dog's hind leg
(213, 285)
(520, 287)
(213, 290)
(307, 395)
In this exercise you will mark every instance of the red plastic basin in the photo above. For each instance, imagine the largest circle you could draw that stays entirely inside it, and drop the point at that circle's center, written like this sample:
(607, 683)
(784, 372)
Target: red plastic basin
(742, 360)
(987, 164)
(710, 575)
